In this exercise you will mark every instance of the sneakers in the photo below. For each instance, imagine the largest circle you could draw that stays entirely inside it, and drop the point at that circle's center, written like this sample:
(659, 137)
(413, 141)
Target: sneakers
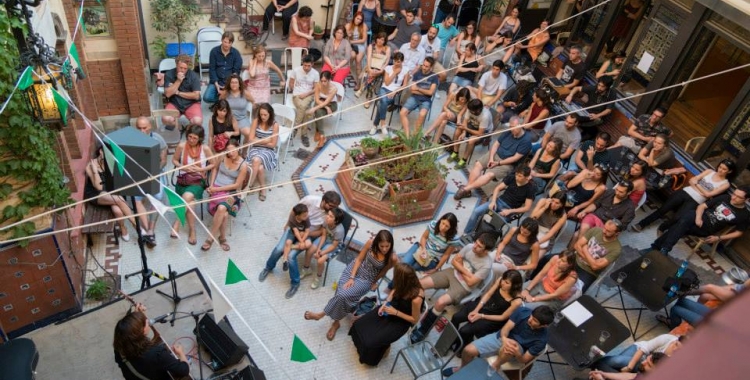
(305, 272)
(150, 241)
(292, 291)
(384, 130)
(391, 107)
(316, 283)
(461, 164)
(449, 371)
(373, 131)
(125, 237)
(285, 266)
(636, 227)
(461, 193)
(358, 93)
(416, 336)
(263, 274)
(367, 104)
(453, 157)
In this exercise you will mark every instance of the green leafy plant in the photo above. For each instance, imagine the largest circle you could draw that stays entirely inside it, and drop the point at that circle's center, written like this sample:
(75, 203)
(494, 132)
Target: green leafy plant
(318, 29)
(98, 290)
(388, 142)
(174, 16)
(372, 175)
(160, 47)
(494, 7)
(30, 178)
(369, 142)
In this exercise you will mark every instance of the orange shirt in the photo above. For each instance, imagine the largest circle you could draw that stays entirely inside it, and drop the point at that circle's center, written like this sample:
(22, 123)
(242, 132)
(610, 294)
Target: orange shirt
(551, 283)
(295, 40)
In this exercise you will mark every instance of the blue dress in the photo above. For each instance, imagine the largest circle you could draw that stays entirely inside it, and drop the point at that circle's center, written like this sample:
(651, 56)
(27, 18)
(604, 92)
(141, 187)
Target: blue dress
(345, 300)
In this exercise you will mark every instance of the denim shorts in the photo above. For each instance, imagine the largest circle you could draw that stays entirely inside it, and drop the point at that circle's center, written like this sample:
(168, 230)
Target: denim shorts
(412, 103)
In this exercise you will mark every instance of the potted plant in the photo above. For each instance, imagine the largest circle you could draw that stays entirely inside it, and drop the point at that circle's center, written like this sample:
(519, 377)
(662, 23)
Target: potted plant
(317, 32)
(355, 157)
(492, 13)
(371, 181)
(175, 16)
(99, 290)
(370, 147)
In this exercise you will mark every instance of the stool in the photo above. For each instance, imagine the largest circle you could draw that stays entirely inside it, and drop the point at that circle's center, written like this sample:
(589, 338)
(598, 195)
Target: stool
(273, 22)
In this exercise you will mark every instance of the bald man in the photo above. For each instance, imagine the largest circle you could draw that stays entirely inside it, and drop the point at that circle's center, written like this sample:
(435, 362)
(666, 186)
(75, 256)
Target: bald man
(143, 124)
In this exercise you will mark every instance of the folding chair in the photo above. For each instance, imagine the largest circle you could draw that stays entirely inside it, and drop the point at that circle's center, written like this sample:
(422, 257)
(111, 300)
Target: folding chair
(171, 137)
(285, 133)
(208, 38)
(287, 100)
(340, 92)
(166, 65)
(350, 225)
(423, 357)
(478, 291)
(243, 194)
(516, 366)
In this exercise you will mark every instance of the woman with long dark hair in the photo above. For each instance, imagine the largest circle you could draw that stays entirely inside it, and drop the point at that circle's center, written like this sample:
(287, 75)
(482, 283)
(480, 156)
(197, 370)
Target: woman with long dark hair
(221, 126)
(141, 357)
(533, 117)
(392, 319)
(519, 249)
(551, 216)
(226, 180)
(378, 55)
(436, 245)
(489, 313)
(585, 188)
(262, 156)
(96, 178)
(453, 111)
(357, 31)
(546, 163)
(554, 284)
(359, 277)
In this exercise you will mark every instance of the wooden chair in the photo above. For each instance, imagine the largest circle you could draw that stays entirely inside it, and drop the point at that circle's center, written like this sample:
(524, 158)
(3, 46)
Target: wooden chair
(702, 240)
(692, 145)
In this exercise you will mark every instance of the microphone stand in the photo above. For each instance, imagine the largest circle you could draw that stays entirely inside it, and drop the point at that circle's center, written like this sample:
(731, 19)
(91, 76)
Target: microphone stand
(196, 315)
(175, 297)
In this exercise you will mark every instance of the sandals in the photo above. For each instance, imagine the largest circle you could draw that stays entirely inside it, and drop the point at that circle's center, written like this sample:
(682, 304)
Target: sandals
(332, 332)
(224, 245)
(321, 141)
(262, 197)
(192, 240)
(207, 244)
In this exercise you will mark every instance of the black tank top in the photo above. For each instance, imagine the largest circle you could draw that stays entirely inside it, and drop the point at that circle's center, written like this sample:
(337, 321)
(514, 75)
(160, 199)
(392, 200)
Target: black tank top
(469, 75)
(496, 305)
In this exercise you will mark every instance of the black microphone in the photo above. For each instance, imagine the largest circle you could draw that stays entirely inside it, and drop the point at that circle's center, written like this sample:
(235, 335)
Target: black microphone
(160, 319)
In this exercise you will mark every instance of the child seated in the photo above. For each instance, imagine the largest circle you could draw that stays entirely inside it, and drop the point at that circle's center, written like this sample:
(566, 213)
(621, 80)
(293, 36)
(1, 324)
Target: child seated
(333, 234)
(299, 224)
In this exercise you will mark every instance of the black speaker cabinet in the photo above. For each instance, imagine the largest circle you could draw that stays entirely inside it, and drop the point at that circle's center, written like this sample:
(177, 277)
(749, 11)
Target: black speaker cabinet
(222, 342)
(141, 161)
(250, 373)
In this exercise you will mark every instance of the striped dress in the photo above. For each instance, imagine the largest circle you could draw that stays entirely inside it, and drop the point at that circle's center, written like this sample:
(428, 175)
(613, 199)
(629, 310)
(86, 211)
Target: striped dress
(266, 155)
(345, 300)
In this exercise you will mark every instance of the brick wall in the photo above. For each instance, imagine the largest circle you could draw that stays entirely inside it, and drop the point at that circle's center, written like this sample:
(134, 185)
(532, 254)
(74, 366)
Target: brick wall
(126, 29)
(109, 94)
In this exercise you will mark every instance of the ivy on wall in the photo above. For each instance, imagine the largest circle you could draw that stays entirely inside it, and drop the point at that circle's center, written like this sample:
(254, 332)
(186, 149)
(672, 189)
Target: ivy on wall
(30, 176)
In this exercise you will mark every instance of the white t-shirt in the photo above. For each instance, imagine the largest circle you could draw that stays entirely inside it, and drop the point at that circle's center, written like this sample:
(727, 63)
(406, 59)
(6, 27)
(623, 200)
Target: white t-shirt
(412, 57)
(315, 214)
(429, 48)
(304, 82)
(398, 82)
(478, 266)
(491, 85)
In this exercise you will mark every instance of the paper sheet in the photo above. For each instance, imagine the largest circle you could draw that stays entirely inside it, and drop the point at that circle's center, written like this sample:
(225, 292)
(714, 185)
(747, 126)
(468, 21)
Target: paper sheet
(645, 63)
(576, 313)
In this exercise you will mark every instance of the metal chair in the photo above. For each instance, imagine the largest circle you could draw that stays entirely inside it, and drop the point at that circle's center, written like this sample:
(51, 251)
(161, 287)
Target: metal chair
(273, 21)
(287, 100)
(243, 194)
(208, 38)
(171, 137)
(424, 357)
(479, 290)
(285, 133)
(516, 366)
(350, 225)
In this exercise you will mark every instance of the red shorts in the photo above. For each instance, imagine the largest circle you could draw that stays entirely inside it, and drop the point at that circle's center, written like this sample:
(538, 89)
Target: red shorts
(592, 221)
(340, 74)
(191, 112)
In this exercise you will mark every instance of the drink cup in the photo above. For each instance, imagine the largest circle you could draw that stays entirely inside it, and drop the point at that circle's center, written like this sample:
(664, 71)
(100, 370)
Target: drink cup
(645, 263)
(604, 336)
(621, 277)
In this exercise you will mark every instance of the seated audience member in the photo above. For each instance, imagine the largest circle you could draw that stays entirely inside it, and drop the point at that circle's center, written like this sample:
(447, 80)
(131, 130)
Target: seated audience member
(362, 274)
(226, 180)
(585, 189)
(391, 320)
(508, 28)
(96, 177)
(325, 104)
(644, 130)
(534, 46)
(223, 61)
(505, 52)
(646, 366)
(454, 110)
(488, 313)
(287, 8)
(701, 188)
(613, 66)
(613, 204)
(317, 208)
(332, 235)
(302, 81)
(518, 195)
(431, 46)
(554, 285)
(593, 96)
(596, 249)
(435, 247)
(259, 83)
(709, 221)
(239, 98)
(378, 54)
(370, 9)
(446, 8)
(523, 338)
(405, 28)
(550, 213)
(545, 164)
(636, 175)
(710, 296)
(447, 32)
(573, 70)
(414, 55)
(148, 222)
(492, 85)
(534, 116)
(504, 154)
(471, 267)
(336, 55)
(516, 100)
(182, 87)
(567, 131)
(262, 155)
(423, 87)
(412, 6)
(476, 123)
(393, 80)
(592, 152)
(302, 27)
(299, 224)
(222, 126)
(469, 66)
(191, 156)
(141, 353)
(519, 249)
(659, 155)
(356, 31)
(469, 35)
(631, 359)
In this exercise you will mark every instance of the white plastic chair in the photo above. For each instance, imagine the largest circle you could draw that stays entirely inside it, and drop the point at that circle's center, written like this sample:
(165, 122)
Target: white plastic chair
(273, 21)
(340, 92)
(295, 54)
(516, 366)
(641, 202)
(166, 64)
(285, 133)
(243, 195)
(287, 93)
(208, 38)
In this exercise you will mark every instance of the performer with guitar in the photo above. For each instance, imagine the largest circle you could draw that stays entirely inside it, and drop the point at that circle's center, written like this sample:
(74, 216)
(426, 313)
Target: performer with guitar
(144, 358)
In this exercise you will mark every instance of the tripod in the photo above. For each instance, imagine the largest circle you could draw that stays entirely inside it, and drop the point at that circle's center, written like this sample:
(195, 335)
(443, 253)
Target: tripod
(145, 273)
(175, 297)
(195, 315)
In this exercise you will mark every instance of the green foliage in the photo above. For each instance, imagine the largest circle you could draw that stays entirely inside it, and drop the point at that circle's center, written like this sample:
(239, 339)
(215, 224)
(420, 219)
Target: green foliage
(98, 290)
(318, 29)
(26, 148)
(369, 142)
(160, 47)
(494, 7)
(372, 175)
(174, 16)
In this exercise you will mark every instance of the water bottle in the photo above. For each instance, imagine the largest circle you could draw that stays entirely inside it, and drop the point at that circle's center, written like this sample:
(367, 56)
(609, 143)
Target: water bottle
(682, 269)
(385, 313)
(672, 291)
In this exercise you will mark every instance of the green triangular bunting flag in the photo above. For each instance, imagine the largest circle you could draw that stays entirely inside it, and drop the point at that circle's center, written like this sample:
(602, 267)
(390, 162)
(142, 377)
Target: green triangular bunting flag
(110, 159)
(62, 105)
(177, 203)
(300, 352)
(26, 79)
(119, 156)
(74, 53)
(234, 274)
